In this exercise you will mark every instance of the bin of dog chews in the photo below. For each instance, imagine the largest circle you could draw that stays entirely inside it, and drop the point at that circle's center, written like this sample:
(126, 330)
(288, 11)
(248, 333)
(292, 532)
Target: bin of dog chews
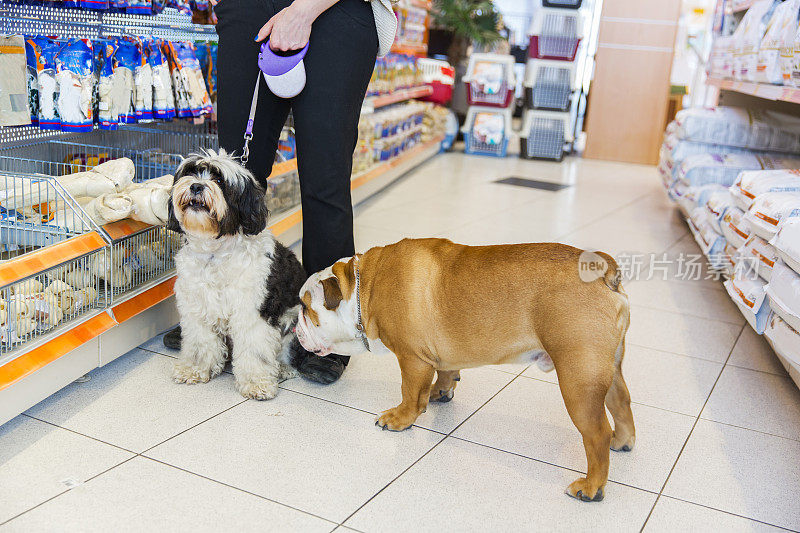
(748, 292)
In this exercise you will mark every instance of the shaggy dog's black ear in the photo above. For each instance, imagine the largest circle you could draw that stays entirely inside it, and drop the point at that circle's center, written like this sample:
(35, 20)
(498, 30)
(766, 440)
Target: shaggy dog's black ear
(172, 222)
(252, 208)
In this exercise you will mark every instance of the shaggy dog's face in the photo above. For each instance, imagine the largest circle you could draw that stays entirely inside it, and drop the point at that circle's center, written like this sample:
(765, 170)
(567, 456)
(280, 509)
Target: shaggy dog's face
(214, 196)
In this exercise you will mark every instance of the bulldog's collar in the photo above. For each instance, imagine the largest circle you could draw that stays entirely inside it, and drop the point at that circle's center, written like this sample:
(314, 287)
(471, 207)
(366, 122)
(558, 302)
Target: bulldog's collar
(362, 331)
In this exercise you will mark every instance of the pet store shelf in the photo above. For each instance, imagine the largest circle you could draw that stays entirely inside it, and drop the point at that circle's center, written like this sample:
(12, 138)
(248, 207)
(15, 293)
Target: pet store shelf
(402, 95)
(760, 90)
(410, 49)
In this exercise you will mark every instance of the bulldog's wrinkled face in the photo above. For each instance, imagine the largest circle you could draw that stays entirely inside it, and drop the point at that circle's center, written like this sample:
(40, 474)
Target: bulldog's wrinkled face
(329, 311)
(214, 195)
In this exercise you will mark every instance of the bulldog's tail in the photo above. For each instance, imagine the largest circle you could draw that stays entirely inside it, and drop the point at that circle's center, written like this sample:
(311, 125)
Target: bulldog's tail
(613, 275)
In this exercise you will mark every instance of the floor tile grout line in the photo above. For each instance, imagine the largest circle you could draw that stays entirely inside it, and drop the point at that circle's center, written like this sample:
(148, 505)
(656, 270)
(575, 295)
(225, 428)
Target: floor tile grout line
(767, 433)
(444, 438)
(597, 219)
(784, 374)
(691, 431)
(224, 484)
(689, 314)
(707, 360)
(79, 433)
(727, 512)
(548, 463)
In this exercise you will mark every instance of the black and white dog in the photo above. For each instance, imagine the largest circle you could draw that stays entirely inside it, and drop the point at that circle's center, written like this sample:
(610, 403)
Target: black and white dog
(236, 284)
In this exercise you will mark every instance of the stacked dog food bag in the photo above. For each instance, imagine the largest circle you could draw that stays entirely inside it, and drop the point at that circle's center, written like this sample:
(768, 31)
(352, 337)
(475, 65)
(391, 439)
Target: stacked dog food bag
(490, 83)
(735, 174)
(551, 79)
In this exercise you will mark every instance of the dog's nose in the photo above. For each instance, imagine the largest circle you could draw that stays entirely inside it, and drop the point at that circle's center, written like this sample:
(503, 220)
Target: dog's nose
(197, 188)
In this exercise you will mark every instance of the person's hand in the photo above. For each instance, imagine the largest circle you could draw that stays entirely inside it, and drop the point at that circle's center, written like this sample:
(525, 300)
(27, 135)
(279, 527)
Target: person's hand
(214, 2)
(289, 29)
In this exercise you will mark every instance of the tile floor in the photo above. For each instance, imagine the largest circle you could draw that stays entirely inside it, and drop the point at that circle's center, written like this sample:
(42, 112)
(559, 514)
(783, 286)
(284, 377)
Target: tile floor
(718, 420)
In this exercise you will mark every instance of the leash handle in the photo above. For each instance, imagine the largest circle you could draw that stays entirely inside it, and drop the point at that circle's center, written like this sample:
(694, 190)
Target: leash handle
(248, 131)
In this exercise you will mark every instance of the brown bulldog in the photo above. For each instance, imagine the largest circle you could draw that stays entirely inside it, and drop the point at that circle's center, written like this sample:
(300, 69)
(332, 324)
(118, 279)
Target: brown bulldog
(441, 307)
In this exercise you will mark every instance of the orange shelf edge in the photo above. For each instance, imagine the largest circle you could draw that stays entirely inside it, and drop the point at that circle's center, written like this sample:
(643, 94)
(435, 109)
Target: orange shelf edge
(760, 90)
(27, 364)
(383, 167)
(144, 301)
(48, 257)
(401, 96)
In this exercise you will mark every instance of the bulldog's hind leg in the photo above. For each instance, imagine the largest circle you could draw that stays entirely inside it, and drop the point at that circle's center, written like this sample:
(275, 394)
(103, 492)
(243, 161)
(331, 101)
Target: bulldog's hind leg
(618, 401)
(584, 388)
(445, 386)
(417, 376)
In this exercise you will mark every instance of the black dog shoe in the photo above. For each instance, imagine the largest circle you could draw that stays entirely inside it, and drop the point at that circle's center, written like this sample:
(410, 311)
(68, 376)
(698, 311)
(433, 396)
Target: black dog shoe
(172, 339)
(318, 369)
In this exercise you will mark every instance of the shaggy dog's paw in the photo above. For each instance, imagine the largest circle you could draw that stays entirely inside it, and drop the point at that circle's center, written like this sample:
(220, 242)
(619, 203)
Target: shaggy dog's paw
(258, 388)
(186, 373)
(288, 372)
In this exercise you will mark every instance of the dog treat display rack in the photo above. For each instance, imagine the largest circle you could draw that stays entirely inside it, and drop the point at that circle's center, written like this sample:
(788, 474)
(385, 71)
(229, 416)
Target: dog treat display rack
(734, 170)
(557, 76)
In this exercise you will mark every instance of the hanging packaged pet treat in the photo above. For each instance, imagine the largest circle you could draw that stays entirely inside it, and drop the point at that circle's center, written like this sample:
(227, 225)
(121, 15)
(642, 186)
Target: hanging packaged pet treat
(126, 58)
(163, 97)
(14, 109)
(191, 95)
(118, 6)
(102, 5)
(33, 85)
(143, 87)
(75, 76)
(45, 50)
(207, 56)
(769, 209)
(158, 6)
(106, 113)
(139, 7)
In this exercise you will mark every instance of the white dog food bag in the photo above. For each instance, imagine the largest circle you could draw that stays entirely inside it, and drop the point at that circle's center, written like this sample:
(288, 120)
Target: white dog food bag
(748, 185)
(759, 255)
(717, 204)
(748, 292)
(769, 209)
(744, 128)
(784, 294)
(734, 227)
(781, 29)
(711, 243)
(690, 198)
(787, 241)
(749, 36)
(785, 340)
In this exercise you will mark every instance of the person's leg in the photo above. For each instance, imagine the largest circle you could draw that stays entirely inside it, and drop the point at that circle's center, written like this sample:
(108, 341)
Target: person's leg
(339, 63)
(239, 22)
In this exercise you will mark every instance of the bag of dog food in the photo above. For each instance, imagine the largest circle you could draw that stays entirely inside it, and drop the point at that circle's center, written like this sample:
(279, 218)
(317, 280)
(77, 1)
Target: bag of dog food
(711, 243)
(787, 241)
(749, 185)
(143, 87)
(14, 95)
(744, 128)
(784, 294)
(748, 292)
(748, 37)
(106, 111)
(163, 97)
(781, 29)
(716, 205)
(785, 340)
(734, 227)
(45, 49)
(75, 76)
(769, 209)
(759, 256)
(725, 169)
(126, 59)
(691, 198)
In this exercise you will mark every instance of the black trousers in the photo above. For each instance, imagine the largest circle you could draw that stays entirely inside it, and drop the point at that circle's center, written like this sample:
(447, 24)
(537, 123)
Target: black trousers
(339, 64)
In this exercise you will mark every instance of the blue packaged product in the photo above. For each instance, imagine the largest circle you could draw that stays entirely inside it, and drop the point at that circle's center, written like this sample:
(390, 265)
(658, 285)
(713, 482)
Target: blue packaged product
(139, 7)
(106, 113)
(45, 49)
(126, 58)
(118, 5)
(163, 98)
(101, 5)
(33, 86)
(75, 76)
(143, 86)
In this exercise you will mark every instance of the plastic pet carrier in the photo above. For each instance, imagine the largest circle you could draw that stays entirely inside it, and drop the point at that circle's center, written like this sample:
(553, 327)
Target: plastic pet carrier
(556, 34)
(544, 134)
(490, 80)
(549, 84)
(562, 4)
(440, 75)
(487, 131)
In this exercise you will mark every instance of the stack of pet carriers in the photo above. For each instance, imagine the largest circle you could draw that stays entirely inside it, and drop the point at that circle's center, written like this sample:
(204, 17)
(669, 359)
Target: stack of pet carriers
(490, 84)
(551, 79)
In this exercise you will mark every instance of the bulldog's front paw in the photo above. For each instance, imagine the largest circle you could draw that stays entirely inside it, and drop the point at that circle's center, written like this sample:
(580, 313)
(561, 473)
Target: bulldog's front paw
(258, 388)
(396, 419)
(186, 373)
(582, 490)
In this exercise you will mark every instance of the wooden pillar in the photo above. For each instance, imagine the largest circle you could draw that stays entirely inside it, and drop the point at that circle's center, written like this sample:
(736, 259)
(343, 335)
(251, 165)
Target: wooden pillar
(630, 93)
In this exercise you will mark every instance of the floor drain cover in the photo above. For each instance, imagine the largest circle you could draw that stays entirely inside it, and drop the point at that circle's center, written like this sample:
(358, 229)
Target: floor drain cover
(532, 184)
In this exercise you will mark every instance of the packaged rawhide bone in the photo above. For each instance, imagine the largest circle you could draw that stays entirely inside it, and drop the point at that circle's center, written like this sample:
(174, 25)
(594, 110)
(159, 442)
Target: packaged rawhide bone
(143, 86)
(101, 5)
(14, 109)
(191, 95)
(33, 85)
(126, 58)
(163, 98)
(75, 76)
(45, 49)
(107, 112)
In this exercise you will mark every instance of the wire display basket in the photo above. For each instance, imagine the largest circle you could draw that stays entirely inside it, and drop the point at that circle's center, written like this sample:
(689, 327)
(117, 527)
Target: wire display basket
(551, 88)
(544, 135)
(138, 259)
(556, 34)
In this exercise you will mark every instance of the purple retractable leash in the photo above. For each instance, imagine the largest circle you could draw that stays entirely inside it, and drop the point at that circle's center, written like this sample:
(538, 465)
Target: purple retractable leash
(284, 75)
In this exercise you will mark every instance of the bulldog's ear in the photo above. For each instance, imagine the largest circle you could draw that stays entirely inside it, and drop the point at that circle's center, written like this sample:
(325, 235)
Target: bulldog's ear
(332, 292)
(346, 275)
